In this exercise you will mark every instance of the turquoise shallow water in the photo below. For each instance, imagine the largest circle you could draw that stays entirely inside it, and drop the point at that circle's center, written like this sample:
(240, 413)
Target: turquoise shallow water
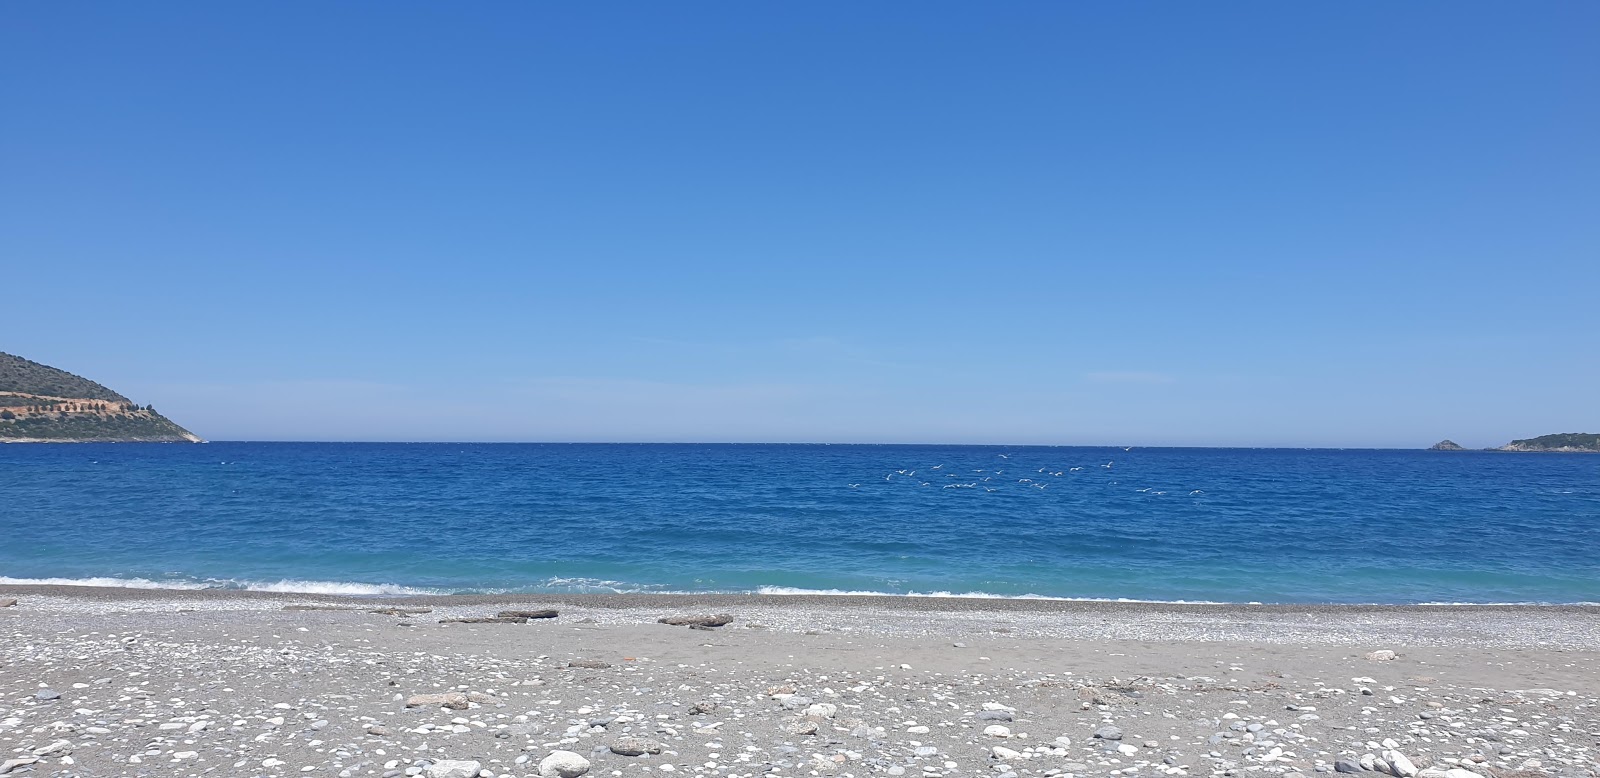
(1223, 525)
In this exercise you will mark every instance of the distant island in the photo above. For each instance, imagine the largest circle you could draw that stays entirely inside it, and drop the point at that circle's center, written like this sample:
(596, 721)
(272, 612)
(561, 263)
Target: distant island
(1561, 443)
(1566, 442)
(43, 404)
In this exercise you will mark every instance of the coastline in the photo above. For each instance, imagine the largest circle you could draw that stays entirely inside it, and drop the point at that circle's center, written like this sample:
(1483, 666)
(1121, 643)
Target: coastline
(172, 439)
(621, 600)
(1504, 625)
(142, 589)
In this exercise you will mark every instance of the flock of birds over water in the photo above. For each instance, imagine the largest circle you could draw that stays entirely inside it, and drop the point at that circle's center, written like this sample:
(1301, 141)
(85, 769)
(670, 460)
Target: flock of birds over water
(1004, 477)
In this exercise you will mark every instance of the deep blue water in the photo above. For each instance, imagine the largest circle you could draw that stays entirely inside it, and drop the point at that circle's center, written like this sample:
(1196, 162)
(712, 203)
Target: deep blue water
(1231, 525)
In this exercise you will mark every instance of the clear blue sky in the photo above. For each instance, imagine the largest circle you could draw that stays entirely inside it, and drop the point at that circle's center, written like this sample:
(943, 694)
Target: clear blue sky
(1245, 223)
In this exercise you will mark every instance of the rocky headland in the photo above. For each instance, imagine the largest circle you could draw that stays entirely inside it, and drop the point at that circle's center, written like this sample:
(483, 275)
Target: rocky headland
(43, 404)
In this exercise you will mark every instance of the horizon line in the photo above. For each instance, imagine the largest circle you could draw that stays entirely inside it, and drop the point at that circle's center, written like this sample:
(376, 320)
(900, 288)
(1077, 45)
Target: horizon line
(836, 443)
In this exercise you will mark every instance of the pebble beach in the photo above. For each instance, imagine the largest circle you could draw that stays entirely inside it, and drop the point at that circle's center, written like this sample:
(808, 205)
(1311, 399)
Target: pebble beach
(125, 682)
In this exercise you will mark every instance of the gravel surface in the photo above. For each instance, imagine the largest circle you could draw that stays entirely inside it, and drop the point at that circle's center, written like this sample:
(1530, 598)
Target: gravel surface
(112, 682)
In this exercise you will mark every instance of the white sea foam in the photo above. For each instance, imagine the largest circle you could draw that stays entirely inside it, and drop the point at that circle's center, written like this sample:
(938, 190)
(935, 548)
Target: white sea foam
(596, 585)
(285, 586)
(122, 583)
(328, 587)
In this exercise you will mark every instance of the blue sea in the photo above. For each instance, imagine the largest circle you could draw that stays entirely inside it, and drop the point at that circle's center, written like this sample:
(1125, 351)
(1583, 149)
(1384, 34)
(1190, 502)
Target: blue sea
(1178, 524)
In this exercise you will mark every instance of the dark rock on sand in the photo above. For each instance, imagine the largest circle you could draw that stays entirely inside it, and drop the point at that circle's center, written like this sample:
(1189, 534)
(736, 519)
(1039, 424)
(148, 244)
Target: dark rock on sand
(401, 611)
(486, 620)
(589, 664)
(8, 602)
(539, 614)
(697, 621)
(1108, 733)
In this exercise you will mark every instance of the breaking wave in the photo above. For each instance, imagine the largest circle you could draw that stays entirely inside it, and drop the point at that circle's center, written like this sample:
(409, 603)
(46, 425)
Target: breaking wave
(285, 586)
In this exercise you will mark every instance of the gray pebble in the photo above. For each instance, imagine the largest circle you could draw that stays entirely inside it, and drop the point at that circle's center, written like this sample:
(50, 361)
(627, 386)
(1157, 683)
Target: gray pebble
(1108, 733)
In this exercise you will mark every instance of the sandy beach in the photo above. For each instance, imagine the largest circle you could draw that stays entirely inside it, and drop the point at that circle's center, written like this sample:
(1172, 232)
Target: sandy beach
(129, 682)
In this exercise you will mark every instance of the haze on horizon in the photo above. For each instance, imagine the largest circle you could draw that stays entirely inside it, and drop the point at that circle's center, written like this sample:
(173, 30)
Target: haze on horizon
(1131, 224)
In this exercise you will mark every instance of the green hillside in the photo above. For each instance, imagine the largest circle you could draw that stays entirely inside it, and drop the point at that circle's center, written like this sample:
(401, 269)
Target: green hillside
(79, 428)
(30, 377)
(39, 403)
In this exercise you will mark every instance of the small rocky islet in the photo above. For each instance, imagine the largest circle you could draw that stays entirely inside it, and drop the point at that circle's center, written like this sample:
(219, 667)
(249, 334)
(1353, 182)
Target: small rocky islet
(251, 689)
